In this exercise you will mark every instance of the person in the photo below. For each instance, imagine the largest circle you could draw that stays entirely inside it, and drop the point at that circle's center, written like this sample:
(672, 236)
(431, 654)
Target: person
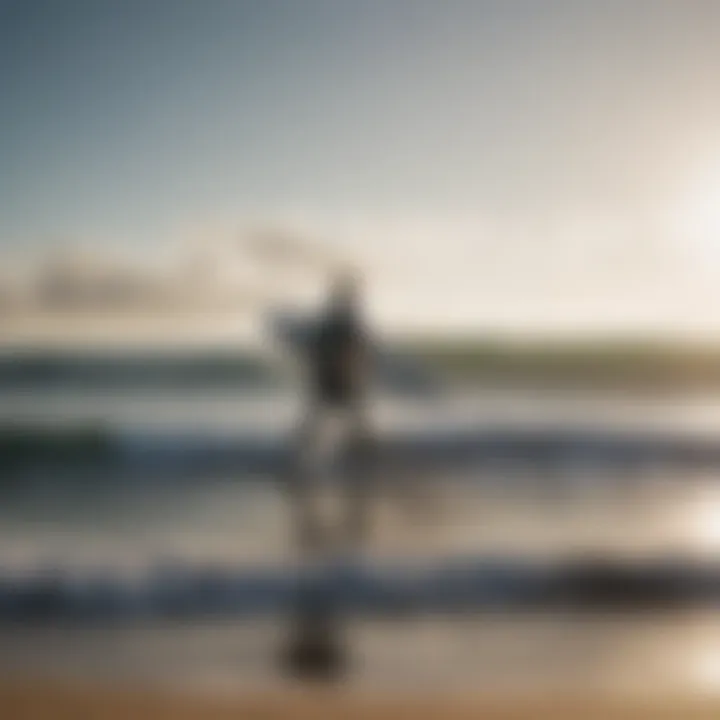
(338, 380)
(338, 374)
(339, 355)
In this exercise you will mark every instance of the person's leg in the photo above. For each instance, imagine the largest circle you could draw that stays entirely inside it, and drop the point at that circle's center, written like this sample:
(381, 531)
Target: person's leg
(302, 484)
(359, 471)
(315, 647)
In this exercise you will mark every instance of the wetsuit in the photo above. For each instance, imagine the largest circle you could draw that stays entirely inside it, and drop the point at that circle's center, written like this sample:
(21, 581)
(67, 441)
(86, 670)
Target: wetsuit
(338, 360)
(338, 380)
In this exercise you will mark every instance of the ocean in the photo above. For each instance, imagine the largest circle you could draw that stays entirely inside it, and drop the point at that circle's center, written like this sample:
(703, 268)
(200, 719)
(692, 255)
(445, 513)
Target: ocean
(145, 531)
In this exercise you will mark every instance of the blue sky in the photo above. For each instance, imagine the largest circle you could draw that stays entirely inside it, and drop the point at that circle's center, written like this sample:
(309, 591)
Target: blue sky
(527, 124)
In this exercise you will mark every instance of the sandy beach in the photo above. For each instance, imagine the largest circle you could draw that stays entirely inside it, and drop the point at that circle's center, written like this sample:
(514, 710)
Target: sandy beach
(41, 700)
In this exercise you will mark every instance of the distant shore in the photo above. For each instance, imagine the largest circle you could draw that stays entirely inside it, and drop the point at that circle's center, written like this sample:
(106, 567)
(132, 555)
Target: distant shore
(623, 365)
(613, 364)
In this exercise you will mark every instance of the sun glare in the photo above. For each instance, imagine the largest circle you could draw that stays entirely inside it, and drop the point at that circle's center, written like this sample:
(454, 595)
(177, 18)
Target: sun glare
(697, 223)
(704, 522)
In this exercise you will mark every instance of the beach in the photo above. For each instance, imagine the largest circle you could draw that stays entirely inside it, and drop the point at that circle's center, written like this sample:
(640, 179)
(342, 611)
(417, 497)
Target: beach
(43, 700)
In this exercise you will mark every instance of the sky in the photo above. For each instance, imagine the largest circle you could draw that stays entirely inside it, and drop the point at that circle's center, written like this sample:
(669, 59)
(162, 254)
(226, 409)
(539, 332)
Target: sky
(525, 164)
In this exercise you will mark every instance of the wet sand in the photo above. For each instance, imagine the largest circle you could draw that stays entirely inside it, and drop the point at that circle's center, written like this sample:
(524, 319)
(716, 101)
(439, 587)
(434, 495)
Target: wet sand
(42, 700)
